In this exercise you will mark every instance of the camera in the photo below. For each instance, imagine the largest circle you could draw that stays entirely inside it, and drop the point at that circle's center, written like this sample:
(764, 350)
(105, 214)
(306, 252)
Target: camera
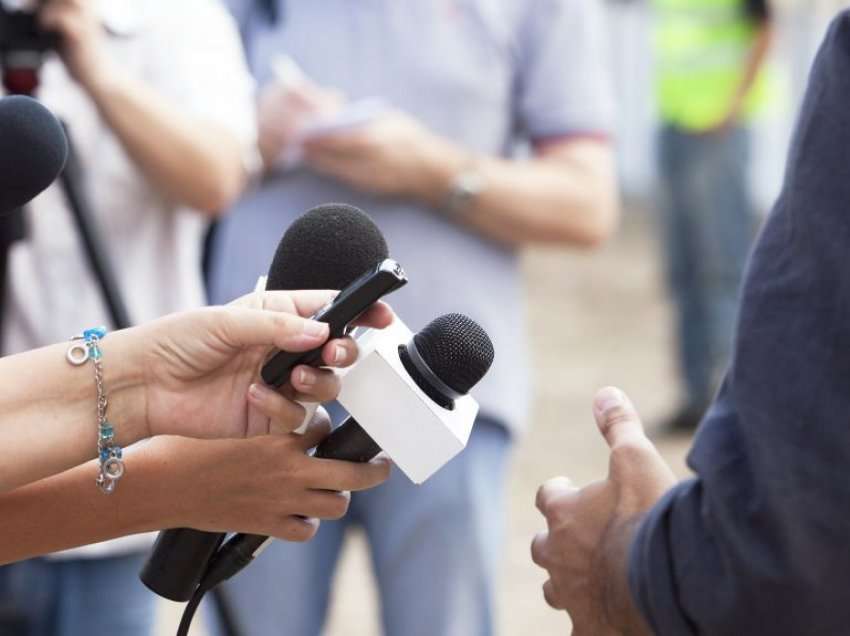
(23, 45)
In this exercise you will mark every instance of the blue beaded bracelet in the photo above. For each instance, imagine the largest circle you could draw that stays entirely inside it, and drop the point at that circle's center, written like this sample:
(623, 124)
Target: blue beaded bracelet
(85, 347)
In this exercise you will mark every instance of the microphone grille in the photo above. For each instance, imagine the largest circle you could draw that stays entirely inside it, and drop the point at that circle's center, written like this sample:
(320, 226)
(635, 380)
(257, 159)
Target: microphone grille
(33, 150)
(327, 247)
(457, 349)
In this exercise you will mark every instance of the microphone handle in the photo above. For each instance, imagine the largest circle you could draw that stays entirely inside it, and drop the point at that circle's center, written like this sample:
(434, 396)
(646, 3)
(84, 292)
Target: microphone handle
(348, 442)
(178, 562)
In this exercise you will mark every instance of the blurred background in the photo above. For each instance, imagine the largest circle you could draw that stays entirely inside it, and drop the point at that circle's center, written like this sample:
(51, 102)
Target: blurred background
(600, 318)
(596, 317)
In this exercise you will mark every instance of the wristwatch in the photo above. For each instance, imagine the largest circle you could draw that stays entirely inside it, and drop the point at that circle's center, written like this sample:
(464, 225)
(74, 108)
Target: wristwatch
(464, 189)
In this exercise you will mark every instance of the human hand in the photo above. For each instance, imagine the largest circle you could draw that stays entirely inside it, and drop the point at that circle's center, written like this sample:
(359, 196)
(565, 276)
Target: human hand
(81, 38)
(393, 155)
(590, 529)
(263, 485)
(201, 368)
(284, 110)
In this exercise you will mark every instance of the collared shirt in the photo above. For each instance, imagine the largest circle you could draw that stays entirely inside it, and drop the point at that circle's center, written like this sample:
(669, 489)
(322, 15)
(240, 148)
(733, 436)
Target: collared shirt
(189, 52)
(758, 542)
(491, 75)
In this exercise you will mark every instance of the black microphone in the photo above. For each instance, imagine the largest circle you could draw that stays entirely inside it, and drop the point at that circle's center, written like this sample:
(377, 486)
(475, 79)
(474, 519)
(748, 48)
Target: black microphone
(33, 150)
(328, 247)
(445, 360)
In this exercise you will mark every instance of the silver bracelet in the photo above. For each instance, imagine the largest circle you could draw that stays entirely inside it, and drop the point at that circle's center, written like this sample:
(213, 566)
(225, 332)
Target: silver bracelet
(110, 456)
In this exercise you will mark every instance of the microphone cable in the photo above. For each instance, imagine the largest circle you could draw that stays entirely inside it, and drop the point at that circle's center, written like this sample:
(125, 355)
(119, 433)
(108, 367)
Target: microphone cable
(189, 611)
(231, 558)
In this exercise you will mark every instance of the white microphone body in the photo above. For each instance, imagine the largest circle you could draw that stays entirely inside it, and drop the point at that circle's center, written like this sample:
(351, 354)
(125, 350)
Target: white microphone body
(419, 435)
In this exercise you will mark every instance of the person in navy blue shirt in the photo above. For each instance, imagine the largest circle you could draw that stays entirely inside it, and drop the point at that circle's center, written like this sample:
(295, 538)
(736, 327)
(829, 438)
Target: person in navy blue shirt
(757, 542)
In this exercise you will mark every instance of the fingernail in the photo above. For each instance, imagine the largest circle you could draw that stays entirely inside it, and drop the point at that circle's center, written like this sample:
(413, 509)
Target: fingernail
(607, 399)
(382, 460)
(315, 328)
(306, 377)
(258, 392)
(339, 354)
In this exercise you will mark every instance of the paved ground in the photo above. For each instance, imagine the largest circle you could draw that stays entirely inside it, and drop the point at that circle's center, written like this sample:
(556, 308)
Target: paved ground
(596, 318)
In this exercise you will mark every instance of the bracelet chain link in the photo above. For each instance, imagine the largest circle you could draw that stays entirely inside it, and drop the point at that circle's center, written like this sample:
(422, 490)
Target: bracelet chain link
(83, 348)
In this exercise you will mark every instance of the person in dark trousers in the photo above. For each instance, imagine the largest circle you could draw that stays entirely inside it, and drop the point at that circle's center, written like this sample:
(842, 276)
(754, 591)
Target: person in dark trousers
(756, 543)
(711, 83)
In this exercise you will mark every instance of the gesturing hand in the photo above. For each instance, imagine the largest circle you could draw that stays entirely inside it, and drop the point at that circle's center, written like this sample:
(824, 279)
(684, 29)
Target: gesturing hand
(201, 369)
(585, 547)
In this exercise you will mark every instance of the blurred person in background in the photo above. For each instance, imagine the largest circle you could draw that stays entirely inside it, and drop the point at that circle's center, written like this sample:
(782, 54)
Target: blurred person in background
(467, 128)
(711, 81)
(159, 105)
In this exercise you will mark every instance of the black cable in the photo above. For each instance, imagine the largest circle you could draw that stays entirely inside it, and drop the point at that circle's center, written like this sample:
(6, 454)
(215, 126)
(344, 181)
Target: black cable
(222, 566)
(189, 611)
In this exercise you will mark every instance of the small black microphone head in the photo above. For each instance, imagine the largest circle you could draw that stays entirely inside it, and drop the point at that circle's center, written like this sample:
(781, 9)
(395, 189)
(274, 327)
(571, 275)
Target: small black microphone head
(328, 247)
(456, 349)
(33, 150)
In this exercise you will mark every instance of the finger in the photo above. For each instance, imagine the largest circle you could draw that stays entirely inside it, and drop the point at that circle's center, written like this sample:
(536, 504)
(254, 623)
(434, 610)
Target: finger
(551, 596)
(333, 474)
(343, 168)
(538, 548)
(617, 418)
(378, 316)
(307, 302)
(295, 528)
(243, 327)
(302, 302)
(341, 352)
(314, 385)
(336, 143)
(317, 429)
(285, 415)
(327, 504)
(557, 489)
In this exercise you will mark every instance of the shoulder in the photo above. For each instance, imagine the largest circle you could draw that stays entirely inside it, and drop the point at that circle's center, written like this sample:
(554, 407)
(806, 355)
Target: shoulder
(536, 19)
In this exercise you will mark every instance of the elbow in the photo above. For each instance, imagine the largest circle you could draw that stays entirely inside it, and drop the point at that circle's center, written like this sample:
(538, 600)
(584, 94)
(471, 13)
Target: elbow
(600, 221)
(219, 191)
(603, 224)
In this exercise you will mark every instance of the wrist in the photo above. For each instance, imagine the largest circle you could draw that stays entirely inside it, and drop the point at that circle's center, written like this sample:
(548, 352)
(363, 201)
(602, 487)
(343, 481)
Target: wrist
(621, 612)
(441, 163)
(124, 383)
(99, 79)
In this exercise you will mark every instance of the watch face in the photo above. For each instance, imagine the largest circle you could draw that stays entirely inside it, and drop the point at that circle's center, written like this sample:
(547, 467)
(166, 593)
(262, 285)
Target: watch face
(470, 184)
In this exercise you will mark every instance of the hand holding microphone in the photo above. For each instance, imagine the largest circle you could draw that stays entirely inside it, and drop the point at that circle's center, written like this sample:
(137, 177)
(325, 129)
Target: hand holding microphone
(411, 400)
(329, 247)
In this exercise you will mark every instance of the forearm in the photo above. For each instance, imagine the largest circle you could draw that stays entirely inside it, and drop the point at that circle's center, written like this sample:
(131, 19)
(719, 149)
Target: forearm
(567, 196)
(68, 510)
(197, 164)
(48, 417)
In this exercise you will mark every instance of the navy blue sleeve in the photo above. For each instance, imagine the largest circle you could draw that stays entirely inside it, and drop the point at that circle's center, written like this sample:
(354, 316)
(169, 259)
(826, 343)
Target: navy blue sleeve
(759, 542)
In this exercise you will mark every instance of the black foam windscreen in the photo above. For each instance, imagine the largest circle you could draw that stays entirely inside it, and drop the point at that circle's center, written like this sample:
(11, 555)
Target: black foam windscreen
(33, 150)
(327, 247)
(456, 349)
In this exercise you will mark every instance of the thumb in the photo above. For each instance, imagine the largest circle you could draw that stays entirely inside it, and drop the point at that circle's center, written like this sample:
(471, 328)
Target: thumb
(636, 464)
(243, 327)
(617, 419)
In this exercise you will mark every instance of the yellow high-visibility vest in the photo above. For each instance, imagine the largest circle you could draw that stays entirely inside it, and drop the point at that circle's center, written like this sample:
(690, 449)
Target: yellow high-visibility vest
(701, 49)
